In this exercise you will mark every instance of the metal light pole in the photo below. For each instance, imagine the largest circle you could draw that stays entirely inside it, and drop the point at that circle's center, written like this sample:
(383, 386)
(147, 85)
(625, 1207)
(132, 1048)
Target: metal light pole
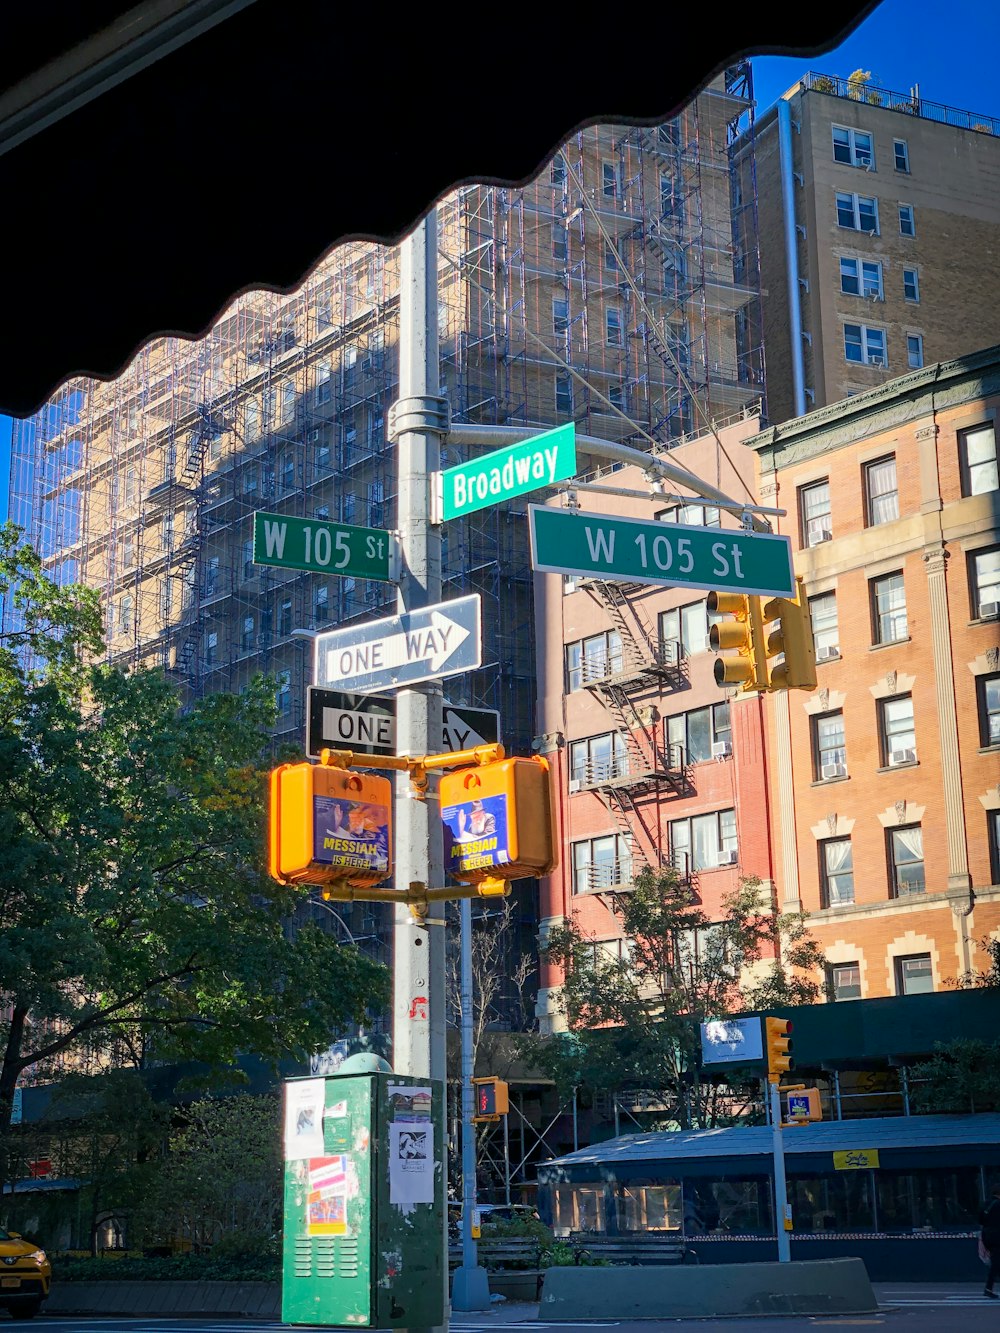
(471, 1287)
(780, 1188)
(417, 421)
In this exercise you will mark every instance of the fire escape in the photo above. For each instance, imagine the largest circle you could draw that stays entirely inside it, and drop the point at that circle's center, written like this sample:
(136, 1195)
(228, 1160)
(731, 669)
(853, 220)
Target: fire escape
(642, 763)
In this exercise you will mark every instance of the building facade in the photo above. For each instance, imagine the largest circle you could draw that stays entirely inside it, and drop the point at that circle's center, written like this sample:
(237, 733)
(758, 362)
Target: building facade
(886, 779)
(879, 235)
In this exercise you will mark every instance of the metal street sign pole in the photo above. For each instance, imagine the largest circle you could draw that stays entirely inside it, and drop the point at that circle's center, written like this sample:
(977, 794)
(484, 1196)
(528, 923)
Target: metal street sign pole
(780, 1188)
(417, 421)
(471, 1290)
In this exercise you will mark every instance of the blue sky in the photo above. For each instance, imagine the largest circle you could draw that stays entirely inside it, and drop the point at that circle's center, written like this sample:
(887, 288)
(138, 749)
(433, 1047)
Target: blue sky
(950, 51)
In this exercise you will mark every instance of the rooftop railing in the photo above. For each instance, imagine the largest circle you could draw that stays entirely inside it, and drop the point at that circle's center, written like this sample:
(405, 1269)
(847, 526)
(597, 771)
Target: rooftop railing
(907, 103)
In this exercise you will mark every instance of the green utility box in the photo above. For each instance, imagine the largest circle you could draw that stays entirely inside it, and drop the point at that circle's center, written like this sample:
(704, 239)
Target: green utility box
(364, 1201)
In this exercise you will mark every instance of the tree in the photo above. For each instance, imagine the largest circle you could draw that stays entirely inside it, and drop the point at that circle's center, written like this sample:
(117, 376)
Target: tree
(962, 1077)
(136, 909)
(983, 978)
(495, 962)
(633, 1014)
(222, 1180)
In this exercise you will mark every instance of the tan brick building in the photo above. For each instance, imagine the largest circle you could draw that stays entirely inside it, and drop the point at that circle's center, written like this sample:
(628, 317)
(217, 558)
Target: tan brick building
(886, 780)
(879, 238)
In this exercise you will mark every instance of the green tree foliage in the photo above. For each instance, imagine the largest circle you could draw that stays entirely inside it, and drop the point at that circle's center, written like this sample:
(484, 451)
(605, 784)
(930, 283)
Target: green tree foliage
(984, 978)
(633, 1019)
(963, 1077)
(136, 910)
(221, 1183)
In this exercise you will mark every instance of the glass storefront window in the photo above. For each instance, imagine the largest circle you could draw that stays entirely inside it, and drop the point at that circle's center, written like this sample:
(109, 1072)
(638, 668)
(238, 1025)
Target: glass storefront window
(741, 1206)
(839, 1202)
(944, 1199)
(578, 1208)
(649, 1207)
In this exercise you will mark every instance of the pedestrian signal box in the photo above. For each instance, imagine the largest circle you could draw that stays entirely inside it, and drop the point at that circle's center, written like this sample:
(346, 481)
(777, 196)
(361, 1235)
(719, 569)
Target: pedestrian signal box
(804, 1106)
(329, 825)
(498, 821)
(492, 1099)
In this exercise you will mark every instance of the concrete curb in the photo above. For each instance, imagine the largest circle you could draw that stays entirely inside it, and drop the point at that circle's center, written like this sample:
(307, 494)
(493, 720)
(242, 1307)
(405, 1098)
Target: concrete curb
(250, 1299)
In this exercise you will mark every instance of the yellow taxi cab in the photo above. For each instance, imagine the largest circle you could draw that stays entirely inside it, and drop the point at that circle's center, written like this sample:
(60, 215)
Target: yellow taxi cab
(25, 1273)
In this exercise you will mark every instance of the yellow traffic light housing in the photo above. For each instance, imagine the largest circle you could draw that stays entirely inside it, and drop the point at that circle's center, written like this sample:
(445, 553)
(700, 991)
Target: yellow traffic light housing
(794, 638)
(748, 670)
(492, 1099)
(778, 1044)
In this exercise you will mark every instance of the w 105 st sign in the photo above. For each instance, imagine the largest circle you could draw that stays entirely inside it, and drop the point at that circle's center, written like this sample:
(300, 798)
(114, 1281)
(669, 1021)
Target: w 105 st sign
(321, 547)
(638, 550)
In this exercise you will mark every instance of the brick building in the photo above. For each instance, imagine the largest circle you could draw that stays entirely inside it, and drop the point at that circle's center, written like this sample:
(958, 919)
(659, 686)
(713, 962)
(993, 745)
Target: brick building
(886, 780)
(653, 763)
(879, 237)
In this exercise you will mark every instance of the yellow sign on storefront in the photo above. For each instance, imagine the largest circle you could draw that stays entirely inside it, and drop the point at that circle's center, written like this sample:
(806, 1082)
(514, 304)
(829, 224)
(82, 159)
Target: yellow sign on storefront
(855, 1159)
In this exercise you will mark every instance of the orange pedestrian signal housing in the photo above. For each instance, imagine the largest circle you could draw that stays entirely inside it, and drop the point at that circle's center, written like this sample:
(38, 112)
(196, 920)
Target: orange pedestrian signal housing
(329, 825)
(492, 1098)
(497, 821)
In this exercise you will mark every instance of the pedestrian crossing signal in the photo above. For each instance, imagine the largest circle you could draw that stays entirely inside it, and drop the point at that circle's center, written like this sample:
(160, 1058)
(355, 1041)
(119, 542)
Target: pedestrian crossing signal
(492, 1099)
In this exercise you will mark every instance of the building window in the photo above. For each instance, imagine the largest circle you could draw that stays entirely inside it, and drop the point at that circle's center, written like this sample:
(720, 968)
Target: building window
(564, 394)
(907, 225)
(616, 396)
(560, 315)
(249, 569)
(666, 196)
(985, 581)
(128, 552)
(288, 470)
(906, 860)
(857, 213)
(211, 646)
(251, 419)
(166, 597)
(896, 731)
(859, 278)
(560, 241)
(814, 510)
(592, 659)
(836, 862)
(557, 172)
(250, 480)
(881, 492)
(321, 605)
(700, 735)
(687, 627)
(914, 975)
(911, 285)
(988, 688)
(130, 487)
(598, 759)
(613, 326)
(845, 981)
(692, 515)
(285, 618)
(901, 156)
(601, 863)
(376, 495)
(703, 841)
(826, 635)
(853, 147)
(287, 403)
(914, 351)
(864, 346)
(609, 179)
(829, 752)
(610, 258)
(978, 454)
(283, 697)
(321, 393)
(212, 576)
(993, 833)
(125, 615)
(246, 638)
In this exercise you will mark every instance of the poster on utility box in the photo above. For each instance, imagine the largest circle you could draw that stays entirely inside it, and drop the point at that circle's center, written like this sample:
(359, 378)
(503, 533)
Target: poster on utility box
(353, 835)
(475, 834)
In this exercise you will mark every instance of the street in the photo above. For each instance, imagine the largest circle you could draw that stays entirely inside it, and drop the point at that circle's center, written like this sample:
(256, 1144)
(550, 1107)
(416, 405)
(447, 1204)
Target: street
(923, 1308)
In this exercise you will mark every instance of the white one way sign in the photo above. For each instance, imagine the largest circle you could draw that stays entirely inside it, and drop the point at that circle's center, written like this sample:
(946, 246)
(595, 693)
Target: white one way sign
(435, 641)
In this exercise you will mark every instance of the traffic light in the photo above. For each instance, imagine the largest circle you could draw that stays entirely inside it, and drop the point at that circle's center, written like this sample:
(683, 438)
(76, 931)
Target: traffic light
(779, 1047)
(794, 638)
(492, 1100)
(746, 635)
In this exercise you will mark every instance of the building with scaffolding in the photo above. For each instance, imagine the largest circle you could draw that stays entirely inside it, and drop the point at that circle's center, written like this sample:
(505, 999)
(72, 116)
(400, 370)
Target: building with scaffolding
(608, 291)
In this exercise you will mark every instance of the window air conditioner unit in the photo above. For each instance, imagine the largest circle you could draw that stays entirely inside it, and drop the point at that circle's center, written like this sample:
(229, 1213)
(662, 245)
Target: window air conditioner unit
(574, 785)
(826, 535)
(720, 749)
(902, 757)
(837, 770)
(868, 166)
(876, 361)
(826, 652)
(728, 858)
(988, 610)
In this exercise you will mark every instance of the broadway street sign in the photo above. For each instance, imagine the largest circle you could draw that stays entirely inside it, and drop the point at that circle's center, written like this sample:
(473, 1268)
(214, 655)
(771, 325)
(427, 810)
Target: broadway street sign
(324, 548)
(516, 470)
(637, 550)
(366, 723)
(435, 641)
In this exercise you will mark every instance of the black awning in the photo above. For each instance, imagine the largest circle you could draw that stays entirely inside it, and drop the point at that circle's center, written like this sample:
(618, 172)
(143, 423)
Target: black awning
(239, 159)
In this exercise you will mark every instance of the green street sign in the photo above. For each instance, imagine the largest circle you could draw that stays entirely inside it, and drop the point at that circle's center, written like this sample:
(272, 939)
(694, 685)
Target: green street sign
(639, 550)
(324, 548)
(516, 470)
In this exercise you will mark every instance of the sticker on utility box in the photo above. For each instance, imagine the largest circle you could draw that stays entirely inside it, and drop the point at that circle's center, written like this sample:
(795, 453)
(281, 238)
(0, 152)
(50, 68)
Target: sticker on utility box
(351, 834)
(475, 834)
